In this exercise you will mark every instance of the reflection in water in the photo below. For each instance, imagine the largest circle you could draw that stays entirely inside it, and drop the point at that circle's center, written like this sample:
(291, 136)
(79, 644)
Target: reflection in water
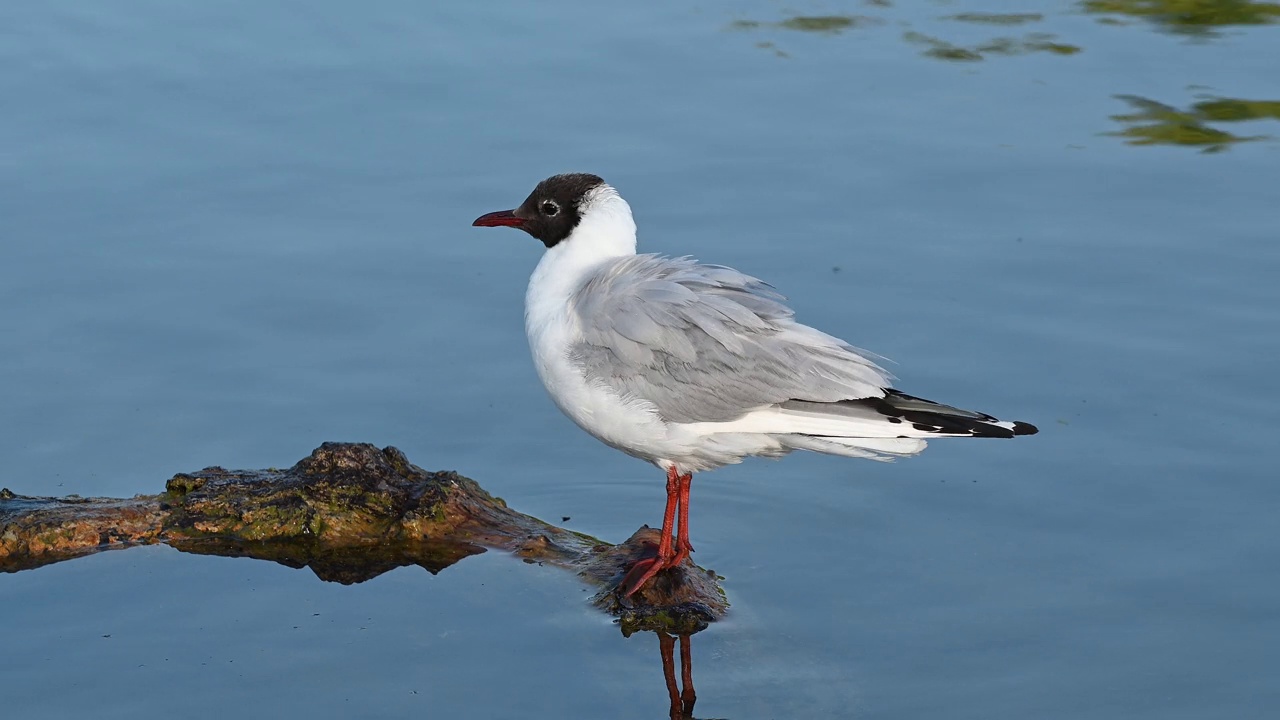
(1151, 122)
(1193, 17)
(351, 565)
(984, 18)
(1230, 109)
(936, 47)
(347, 565)
(826, 24)
(1155, 123)
(1029, 43)
(682, 695)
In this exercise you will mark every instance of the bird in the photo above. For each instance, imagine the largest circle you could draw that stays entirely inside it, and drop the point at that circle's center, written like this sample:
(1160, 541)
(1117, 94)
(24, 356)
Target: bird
(691, 366)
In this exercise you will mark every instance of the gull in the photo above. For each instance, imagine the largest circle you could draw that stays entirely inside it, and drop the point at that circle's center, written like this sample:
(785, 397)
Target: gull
(691, 366)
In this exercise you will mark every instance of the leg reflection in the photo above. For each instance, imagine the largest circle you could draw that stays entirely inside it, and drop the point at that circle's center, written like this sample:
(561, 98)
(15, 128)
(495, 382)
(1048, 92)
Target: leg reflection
(681, 702)
(688, 697)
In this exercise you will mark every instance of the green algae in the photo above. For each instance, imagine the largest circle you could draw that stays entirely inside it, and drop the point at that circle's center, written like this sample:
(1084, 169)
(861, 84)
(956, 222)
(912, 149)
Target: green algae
(1030, 43)
(832, 24)
(1155, 123)
(820, 24)
(1194, 17)
(983, 18)
(1233, 110)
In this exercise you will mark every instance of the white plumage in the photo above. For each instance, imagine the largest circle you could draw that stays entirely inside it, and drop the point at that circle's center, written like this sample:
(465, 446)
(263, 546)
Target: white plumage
(692, 366)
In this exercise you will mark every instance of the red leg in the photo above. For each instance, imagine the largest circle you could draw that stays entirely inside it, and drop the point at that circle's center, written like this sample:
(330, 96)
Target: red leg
(651, 566)
(683, 546)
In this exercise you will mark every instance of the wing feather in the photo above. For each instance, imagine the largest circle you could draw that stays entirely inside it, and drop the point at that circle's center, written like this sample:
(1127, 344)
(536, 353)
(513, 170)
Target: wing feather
(706, 343)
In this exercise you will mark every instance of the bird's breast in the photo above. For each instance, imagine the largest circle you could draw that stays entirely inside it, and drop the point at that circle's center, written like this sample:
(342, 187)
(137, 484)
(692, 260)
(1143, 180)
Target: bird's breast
(628, 424)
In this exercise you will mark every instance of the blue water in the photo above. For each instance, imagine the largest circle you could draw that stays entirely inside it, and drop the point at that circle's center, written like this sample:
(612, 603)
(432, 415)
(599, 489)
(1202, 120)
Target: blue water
(230, 232)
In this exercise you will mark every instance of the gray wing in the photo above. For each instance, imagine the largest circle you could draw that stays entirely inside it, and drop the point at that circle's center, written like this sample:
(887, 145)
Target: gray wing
(705, 343)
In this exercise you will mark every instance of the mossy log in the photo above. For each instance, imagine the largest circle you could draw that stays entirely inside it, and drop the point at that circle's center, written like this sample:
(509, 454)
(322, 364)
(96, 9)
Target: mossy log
(350, 512)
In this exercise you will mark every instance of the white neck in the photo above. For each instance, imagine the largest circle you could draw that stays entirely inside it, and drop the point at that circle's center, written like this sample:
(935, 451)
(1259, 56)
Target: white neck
(605, 231)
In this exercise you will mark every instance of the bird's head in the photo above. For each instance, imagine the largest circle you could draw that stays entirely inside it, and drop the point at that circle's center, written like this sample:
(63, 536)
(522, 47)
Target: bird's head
(562, 203)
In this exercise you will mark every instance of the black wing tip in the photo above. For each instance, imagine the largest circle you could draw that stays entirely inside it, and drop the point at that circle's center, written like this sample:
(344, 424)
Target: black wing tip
(1022, 428)
(992, 431)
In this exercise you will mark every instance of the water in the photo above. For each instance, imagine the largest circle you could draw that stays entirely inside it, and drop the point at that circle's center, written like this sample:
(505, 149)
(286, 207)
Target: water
(233, 232)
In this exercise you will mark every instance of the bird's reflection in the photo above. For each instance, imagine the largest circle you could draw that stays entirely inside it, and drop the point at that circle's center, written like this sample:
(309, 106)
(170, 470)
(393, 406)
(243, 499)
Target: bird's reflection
(681, 694)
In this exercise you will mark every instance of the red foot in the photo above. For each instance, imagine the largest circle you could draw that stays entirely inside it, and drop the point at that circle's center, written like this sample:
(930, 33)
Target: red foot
(669, 554)
(646, 569)
(683, 548)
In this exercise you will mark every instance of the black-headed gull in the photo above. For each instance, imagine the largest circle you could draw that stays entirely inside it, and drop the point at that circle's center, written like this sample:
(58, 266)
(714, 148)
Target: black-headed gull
(693, 366)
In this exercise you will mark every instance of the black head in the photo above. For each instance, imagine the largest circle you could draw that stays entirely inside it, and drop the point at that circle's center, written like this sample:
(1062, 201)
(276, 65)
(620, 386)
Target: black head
(551, 211)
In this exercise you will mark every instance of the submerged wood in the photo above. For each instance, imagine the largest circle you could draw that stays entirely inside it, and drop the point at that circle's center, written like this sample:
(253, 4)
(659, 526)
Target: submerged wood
(350, 512)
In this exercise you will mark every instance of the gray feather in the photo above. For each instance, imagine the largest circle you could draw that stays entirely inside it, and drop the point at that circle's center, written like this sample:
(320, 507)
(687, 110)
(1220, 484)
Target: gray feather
(705, 343)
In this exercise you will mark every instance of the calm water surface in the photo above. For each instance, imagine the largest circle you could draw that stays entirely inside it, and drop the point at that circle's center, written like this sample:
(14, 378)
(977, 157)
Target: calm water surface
(232, 232)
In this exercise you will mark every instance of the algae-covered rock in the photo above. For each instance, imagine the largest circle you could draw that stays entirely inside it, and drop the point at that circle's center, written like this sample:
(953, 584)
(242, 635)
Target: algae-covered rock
(679, 600)
(351, 512)
(35, 531)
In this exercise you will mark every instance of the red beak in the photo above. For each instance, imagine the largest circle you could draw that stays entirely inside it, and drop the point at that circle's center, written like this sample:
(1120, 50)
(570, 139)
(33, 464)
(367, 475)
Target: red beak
(502, 218)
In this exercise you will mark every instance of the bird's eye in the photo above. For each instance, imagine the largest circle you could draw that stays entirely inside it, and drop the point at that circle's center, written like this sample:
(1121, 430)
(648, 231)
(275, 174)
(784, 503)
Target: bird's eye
(550, 208)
